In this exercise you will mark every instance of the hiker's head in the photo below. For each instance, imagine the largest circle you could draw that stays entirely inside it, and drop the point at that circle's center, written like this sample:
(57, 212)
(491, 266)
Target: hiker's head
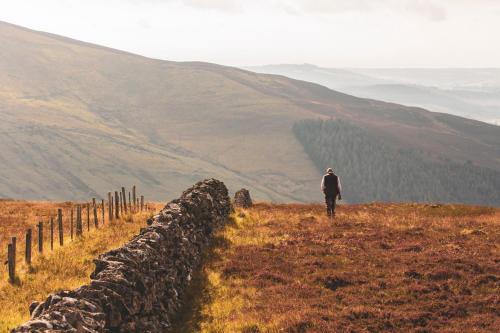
(329, 170)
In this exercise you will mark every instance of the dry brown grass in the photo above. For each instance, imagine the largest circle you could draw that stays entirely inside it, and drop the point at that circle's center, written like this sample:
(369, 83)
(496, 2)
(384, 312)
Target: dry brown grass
(377, 268)
(66, 267)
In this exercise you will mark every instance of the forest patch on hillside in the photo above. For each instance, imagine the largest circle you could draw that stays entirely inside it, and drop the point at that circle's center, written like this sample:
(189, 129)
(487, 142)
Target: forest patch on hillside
(373, 170)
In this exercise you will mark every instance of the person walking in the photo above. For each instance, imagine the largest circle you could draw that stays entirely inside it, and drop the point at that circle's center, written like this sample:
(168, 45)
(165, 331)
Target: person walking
(331, 187)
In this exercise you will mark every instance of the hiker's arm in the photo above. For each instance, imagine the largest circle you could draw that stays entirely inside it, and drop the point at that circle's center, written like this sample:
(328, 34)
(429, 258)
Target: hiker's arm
(323, 184)
(339, 188)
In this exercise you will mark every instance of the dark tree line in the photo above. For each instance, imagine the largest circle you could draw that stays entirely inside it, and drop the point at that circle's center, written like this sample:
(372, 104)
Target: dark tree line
(373, 171)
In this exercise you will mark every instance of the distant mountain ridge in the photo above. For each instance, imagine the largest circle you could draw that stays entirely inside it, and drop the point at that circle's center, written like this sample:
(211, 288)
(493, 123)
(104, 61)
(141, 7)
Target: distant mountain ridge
(80, 119)
(471, 93)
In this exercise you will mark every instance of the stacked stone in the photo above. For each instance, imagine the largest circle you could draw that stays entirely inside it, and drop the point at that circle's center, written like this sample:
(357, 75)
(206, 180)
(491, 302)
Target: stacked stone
(242, 199)
(140, 286)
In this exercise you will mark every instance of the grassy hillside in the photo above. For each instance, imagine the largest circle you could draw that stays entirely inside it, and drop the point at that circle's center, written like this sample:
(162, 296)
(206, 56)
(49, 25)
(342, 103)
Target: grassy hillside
(81, 117)
(372, 170)
(78, 119)
(376, 268)
(64, 268)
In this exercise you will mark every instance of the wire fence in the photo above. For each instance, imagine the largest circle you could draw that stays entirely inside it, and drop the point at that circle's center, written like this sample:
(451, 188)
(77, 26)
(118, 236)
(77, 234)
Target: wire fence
(73, 222)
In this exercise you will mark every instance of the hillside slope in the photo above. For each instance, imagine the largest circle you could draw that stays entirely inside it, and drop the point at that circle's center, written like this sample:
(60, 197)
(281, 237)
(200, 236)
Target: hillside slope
(372, 170)
(466, 92)
(80, 118)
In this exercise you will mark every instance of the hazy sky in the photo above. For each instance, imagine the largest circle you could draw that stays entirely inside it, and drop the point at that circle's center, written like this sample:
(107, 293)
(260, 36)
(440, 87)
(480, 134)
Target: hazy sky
(333, 33)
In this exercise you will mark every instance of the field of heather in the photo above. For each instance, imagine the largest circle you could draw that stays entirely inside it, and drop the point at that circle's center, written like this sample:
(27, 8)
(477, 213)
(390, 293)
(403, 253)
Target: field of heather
(65, 267)
(288, 268)
(376, 268)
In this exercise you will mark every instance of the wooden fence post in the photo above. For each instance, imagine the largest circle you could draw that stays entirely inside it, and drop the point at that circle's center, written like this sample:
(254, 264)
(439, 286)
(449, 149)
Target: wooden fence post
(27, 253)
(117, 206)
(124, 200)
(9, 262)
(14, 244)
(129, 202)
(51, 233)
(71, 224)
(82, 210)
(96, 221)
(81, 219)
(40, 237)
(103, 213)
(88, 216)
(110, 207)
(142, 203)
(79, 226)
(11, 255)
(134, 196)
(60, 226)
(121, 203)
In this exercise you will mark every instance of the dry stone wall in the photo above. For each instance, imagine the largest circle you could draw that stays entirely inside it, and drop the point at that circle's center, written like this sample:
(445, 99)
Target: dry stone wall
(242, 198)
(140, 286)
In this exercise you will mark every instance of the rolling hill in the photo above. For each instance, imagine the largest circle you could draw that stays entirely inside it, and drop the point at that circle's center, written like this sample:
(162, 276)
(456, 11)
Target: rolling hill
(79, 119)
(466, 92)
(395, 175)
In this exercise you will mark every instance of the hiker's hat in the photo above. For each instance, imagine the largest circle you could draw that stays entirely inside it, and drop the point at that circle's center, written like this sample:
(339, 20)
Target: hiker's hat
(329, 170)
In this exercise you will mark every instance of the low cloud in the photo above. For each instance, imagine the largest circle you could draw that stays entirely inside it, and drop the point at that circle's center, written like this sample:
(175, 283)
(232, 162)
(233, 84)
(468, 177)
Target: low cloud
(429, 9)
(225, 5)
(219, 5)
(432, 10)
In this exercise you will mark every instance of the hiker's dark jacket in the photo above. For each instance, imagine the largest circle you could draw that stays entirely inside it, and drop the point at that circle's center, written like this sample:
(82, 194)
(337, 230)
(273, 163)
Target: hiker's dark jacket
(330, 184)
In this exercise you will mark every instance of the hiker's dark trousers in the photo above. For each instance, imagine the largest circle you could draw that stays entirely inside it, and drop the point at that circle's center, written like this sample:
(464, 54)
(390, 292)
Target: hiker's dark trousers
(331, 203)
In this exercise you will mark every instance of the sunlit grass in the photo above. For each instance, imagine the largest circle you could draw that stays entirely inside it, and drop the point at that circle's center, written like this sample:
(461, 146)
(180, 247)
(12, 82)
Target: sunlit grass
(393, 267)
(65, 268)
(269, 267)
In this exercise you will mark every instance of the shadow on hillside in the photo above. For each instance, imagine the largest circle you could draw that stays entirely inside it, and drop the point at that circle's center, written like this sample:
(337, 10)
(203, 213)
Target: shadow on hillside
(197, 295)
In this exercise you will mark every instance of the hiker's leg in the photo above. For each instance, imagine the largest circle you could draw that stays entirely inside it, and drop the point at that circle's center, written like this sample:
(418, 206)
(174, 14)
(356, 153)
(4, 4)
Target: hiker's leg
(328, 205)
(334, 205)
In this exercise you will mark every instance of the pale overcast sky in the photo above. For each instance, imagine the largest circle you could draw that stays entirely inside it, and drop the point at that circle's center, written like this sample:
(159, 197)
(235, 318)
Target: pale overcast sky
(332, 33)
